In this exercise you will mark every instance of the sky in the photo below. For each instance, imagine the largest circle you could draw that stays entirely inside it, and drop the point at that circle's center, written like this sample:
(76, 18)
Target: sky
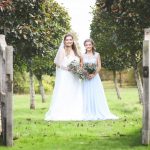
(79, 11)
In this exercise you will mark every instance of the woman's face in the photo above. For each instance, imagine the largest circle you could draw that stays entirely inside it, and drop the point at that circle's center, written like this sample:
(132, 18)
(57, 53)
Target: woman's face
(88, 46)
(68, 41)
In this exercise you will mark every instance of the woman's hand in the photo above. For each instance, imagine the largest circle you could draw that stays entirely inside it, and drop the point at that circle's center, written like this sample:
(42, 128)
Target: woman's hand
(90, 76)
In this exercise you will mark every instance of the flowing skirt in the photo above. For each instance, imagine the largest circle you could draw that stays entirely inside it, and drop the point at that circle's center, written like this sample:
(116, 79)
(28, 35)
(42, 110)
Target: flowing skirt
(95, 105)
(67, 99)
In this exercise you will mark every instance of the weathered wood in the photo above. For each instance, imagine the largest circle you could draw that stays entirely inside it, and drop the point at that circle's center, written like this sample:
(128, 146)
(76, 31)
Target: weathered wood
(9, 95)
(2, 59)
(146, 86)
(2, 82)
(6, 91)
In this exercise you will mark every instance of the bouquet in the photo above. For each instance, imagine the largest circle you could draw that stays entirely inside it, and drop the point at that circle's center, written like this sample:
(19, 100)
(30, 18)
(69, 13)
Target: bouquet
(90, 68)
(82, 73)
(75, 68)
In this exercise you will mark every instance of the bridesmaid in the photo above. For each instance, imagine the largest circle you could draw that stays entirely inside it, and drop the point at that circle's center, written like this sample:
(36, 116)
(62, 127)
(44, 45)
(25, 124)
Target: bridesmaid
(94, 99)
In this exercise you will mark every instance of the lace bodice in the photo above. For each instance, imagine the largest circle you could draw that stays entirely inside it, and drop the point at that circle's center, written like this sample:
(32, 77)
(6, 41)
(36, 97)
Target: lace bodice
(90, 59)
(67, 59)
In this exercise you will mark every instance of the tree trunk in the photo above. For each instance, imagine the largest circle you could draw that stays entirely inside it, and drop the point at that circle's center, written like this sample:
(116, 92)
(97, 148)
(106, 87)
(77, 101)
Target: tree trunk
(139, 84)
(120, 78)
(42, 92)
(116, 85)
(137, 77)
(32, 91)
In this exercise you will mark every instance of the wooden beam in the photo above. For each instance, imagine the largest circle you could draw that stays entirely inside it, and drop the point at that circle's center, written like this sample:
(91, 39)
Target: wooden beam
(146, 88)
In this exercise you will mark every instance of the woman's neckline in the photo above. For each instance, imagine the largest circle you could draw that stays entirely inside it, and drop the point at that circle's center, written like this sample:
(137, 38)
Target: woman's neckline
(67, 56)
(70, 55)
(90, 56)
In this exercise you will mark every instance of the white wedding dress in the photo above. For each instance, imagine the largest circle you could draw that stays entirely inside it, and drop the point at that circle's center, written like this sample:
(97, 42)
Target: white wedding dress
(67, 100)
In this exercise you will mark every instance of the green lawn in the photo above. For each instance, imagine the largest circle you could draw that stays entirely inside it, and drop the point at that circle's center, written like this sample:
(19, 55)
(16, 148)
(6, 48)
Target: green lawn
(31, 132)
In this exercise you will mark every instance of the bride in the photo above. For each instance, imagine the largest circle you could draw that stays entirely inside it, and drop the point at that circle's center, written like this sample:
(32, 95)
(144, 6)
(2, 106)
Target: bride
(67, 98)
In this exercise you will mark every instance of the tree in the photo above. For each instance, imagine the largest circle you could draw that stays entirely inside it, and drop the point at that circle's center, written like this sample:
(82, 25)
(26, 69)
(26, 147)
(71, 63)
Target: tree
(129, 19)
(103, 33)
(106, 4)
(4, 4)
(41, 66)
(33, 29)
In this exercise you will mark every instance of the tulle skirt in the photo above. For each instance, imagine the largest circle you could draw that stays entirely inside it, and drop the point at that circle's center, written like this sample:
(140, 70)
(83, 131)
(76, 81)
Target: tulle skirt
(67, 99)
(95, 105)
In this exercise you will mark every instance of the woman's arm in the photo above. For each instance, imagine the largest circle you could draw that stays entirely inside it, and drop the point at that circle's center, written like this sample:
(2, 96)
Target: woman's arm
(81, 61)
(59, 59)
(98, 67)
(98, 63)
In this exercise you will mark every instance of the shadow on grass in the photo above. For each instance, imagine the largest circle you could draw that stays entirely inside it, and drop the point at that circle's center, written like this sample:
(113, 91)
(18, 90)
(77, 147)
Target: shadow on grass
(130, 141)
(1, 142)
(126, 142)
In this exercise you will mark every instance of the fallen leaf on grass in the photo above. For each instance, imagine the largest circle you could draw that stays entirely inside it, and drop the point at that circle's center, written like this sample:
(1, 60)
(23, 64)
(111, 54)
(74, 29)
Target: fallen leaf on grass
(28, 119)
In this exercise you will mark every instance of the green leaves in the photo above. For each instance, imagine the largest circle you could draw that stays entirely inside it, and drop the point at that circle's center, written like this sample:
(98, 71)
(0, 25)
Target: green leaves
(119, 34)
(34, 28)
(103, 32)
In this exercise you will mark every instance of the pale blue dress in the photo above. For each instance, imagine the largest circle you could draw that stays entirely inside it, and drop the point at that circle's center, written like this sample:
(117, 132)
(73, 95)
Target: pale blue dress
(95, 105)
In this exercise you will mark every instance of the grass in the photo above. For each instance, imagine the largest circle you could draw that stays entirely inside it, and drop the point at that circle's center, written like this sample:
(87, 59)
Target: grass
(31, 132)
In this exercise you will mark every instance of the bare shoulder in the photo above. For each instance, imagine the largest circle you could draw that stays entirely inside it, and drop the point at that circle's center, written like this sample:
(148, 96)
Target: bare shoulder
(83, 55)
(97, 54)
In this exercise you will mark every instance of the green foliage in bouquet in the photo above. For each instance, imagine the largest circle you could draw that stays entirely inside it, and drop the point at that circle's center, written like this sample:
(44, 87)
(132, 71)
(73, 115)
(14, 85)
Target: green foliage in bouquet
(75, 68)
(90, 68)
(82, 73)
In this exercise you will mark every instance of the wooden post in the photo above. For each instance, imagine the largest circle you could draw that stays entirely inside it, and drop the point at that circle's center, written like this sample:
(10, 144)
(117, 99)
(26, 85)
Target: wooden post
(6, 90)
(9, 95)
(2, 85)
(146, 86)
